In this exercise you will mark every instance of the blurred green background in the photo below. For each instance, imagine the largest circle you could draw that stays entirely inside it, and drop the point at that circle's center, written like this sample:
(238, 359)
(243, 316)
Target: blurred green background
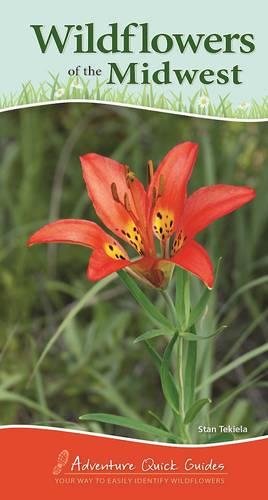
(94, 365)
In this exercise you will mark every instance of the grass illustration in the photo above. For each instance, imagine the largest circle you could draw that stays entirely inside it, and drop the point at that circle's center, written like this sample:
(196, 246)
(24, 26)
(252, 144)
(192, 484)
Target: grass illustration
(54, 89)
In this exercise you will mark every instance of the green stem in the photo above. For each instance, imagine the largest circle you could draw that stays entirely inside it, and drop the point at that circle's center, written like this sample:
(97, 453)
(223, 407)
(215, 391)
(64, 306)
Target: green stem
(171, 307)
(181, 382)
(173, 314)
(181, 388)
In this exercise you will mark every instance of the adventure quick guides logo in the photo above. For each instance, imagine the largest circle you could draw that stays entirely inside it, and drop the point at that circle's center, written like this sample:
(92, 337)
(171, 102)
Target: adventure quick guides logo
(75, 469)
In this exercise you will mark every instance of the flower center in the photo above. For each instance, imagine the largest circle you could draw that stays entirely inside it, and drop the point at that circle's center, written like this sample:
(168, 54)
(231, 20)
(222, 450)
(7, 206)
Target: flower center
(177, 243)
(130, 231)
(134, 237)
(113, 251)
(163, 221)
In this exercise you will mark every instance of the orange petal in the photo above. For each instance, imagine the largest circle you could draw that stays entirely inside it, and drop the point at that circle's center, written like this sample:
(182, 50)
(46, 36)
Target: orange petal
(108, 255)
(194, 258)
(115, 196)
(209, 203)
(100, 265)
(73, 231)
(167, 189)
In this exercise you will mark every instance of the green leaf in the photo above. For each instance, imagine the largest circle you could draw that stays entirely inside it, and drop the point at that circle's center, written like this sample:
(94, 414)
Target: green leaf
(157, 359)
(187, 299)
(167, 381)
(192, 337)
(151, 311)
(8, 396)
(243, 335)
(179, 300)
(233, 365)
(190, 371)
(158, 419)
(154, 355)
(198, 310)
(104, 387)
(153, 333)
(130, 423)
(79, 305)
(248, 286)
(250, 380)
(195, 409)
(220, 438)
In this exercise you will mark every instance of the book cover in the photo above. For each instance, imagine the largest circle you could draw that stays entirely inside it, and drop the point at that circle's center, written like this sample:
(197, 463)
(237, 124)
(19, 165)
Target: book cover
(133, 226)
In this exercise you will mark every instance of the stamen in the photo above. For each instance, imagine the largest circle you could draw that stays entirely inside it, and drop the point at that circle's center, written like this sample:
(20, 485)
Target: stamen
(154, 197)
(115, 192)
(127, 203)
(130, 177)
(131, 231)
(150, 169)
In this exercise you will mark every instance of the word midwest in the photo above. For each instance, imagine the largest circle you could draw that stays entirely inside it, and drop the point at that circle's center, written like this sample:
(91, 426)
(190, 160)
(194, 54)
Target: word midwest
(136, 38)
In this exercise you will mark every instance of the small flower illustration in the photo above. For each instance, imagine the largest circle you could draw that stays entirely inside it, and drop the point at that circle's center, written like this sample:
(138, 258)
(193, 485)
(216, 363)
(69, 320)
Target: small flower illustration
(203, 101)
(59, 93)
(244, 106)
(142, 216)
(76, 84)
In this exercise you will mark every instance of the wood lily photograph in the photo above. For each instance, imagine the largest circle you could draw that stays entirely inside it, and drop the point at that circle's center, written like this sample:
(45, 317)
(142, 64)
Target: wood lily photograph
(167, 305)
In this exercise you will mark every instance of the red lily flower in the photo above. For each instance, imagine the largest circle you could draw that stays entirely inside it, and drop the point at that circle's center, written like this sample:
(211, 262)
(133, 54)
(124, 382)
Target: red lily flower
(139, 217)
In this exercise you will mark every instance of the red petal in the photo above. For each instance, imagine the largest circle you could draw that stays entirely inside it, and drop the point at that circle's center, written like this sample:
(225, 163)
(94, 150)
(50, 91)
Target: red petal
(100, 265)
(108, 255)
(80, 232)
(212, 202)
(100, 173)
(194, 258)
(170, 183)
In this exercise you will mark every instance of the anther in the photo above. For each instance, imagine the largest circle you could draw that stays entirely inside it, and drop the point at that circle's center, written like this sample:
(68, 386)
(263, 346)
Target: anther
(115, 192)
(150, 168)
(154, 196)
(127, 203)
(130, 176)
